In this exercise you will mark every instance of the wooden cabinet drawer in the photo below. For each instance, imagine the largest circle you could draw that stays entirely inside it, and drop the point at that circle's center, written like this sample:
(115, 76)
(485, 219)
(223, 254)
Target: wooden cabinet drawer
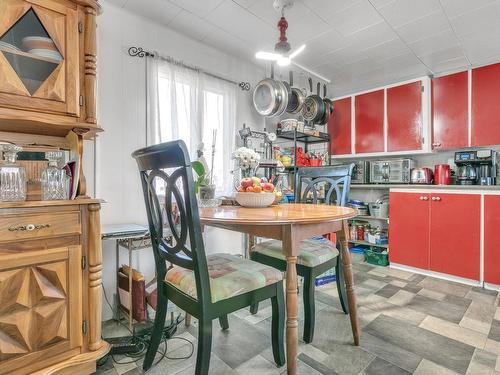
(27, 226)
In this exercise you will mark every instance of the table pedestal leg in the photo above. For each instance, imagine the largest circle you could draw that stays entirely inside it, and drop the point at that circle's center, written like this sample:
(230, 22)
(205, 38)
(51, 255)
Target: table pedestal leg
(291, 315)
(349, 282)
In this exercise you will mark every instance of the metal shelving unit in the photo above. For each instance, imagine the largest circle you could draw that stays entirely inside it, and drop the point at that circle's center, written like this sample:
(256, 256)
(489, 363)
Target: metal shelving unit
(356, 242)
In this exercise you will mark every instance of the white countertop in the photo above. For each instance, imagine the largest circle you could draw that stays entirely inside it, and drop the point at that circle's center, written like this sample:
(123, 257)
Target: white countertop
(426, 187)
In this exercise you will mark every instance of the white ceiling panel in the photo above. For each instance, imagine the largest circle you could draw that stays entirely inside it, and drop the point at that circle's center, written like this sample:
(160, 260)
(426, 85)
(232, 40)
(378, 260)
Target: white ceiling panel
(400, 12)
(183, 21)
(160, 11)
(199, 7)
(424, 27)
(356, 43)
(434, 43)
(355, 18)
(477, 20)
(454, 8)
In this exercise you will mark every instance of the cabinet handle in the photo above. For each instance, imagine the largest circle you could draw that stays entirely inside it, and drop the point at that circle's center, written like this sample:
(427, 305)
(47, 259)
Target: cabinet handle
(28, 227)
(436, 144)
(424, 198)
(436, 199)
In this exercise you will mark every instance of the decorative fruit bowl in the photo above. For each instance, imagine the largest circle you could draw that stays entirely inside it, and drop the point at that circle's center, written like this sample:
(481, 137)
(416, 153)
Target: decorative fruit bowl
(255, 199)
(255, 192)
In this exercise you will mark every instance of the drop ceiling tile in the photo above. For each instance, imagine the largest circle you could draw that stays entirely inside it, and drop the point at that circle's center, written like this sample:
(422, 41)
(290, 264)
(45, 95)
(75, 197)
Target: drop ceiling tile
(429, 25)
(355, 18)
(326, 42)
(160, 11)
(343, 56)
(480, 49)
(237, 21)
(459, 63)
(184, 22)
(380, 3)
(387, 50)
(453, 52)
(401, 12)
(477, 20)
(372, 36)
(403, 63)
(245, 3)
(199, 7)
(434, 43)
(325, 8)
(230, 44)
(454, 8)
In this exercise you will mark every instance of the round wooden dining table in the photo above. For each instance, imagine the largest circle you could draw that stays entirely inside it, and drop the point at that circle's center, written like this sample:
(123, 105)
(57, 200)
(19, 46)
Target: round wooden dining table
(291, 223)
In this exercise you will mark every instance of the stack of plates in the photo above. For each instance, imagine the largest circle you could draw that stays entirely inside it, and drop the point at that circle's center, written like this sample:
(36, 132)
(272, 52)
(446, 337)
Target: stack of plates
(5, 45)
(41, 46)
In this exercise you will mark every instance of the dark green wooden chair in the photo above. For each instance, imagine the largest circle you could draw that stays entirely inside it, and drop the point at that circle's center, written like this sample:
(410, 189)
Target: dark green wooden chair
(205, 287)
(317, 255)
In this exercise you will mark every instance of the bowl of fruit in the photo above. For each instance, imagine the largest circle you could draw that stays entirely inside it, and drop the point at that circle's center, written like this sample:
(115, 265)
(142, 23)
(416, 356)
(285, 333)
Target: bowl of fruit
(255, 192)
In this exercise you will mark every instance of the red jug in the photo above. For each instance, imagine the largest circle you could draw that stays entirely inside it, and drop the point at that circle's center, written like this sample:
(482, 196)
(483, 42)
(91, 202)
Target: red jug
(442, 174)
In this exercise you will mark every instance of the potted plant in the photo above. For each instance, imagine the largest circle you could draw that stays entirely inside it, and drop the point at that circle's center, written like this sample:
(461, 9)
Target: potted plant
(202, 185)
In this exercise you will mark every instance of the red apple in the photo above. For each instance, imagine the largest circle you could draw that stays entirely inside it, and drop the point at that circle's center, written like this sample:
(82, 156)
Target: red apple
(268, 187)
(246, 182)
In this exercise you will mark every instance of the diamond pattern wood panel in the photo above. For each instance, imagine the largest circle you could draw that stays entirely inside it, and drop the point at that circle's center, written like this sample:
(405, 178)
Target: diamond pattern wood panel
(33, 309)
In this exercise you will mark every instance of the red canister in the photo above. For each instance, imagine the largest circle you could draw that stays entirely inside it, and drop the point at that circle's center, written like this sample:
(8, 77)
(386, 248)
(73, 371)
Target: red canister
(442, 174)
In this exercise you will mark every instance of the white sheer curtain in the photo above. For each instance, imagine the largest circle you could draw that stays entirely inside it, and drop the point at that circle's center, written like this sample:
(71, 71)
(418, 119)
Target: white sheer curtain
(189, 105)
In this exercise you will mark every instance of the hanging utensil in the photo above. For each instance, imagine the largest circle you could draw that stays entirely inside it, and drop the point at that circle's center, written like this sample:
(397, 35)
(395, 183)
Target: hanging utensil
(328, 107)
(270, 97)
(314, 106)
(296, 100)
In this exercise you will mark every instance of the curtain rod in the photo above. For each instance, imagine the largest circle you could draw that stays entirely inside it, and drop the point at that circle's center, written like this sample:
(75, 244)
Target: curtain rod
(140, 52)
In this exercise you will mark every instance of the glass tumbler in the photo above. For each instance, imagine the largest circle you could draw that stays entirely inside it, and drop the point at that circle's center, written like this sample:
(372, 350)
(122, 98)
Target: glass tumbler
(55, 181)
(13, 183)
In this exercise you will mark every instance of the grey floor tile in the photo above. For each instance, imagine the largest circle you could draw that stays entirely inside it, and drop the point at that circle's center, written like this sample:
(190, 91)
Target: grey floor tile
(494, 333)
(348, 359)
(448, 287)
(389, 352)
(485, 358)
(485, 291)
(381, 367)
(460, 301)
(434, 347)
(316, 365)
(416, 278)
(333, 327)
(440, 309)
(480, 297)
(413, 288)
(388, 291)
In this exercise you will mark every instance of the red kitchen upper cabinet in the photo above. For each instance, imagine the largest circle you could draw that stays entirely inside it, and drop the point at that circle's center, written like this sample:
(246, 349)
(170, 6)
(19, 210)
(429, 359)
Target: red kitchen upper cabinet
(492, 239)
(339, 127)
(455, 234)
(450, 111)
(404, 117)
(485, 106)
(409, 229)
(369, 110)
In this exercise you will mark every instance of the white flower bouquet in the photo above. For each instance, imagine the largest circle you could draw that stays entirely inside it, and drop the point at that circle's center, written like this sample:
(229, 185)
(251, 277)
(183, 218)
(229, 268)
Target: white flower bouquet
(247, 160)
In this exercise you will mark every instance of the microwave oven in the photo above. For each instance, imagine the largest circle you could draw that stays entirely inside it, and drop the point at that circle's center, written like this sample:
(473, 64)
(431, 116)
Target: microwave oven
(395, 171)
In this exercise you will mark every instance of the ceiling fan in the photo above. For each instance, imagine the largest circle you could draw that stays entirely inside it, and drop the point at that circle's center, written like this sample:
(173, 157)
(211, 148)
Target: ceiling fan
(281, 54)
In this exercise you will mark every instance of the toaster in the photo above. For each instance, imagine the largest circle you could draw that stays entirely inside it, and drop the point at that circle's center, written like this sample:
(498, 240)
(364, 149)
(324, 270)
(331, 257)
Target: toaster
(421, 176)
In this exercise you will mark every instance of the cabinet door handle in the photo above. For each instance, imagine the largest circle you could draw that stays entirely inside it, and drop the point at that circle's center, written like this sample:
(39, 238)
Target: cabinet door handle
(436, 199)
(29, 227)
(436, 144)
(422, 198)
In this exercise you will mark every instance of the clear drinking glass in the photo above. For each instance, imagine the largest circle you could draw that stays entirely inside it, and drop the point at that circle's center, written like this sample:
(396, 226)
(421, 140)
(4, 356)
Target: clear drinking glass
(55, 181)
(12, 177)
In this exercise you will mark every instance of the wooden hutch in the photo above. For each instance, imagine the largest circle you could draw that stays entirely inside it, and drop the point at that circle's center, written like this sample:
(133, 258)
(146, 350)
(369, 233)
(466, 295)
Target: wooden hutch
(50, 251)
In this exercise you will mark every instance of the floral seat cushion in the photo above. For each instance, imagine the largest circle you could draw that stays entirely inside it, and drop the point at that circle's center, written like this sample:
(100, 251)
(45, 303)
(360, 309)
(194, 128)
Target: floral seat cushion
(229, 276)
(313, 251)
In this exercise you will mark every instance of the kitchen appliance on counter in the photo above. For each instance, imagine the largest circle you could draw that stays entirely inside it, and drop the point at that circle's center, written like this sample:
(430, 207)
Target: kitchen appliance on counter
(442, 174)
(421, 176)
(476, 167)
(360, 172)
(395, 171)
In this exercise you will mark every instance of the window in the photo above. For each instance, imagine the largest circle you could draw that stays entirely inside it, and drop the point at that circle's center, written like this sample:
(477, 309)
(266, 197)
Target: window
(190, 106)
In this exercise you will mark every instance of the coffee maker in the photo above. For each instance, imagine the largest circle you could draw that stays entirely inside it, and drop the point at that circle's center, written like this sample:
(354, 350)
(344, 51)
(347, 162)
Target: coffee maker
(476, 167)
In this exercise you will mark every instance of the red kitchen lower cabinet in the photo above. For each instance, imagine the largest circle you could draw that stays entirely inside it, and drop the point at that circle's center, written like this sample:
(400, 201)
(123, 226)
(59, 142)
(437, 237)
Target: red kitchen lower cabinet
(492, 239)
(455, 230)
(339, 127)
(409, 229)
(404, 117)
(369, 116)
(450, 111)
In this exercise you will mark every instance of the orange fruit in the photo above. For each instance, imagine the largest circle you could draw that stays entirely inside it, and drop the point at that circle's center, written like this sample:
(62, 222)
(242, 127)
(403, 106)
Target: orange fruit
(257, 189)
(250, 189)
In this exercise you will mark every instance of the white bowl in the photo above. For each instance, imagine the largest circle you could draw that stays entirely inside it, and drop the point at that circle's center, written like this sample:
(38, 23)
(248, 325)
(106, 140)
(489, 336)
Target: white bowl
(255, 199)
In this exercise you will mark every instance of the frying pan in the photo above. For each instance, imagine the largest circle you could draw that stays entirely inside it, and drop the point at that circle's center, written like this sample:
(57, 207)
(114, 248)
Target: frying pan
(296, 99)
(314, 106)
(328, 107)
(270, 97)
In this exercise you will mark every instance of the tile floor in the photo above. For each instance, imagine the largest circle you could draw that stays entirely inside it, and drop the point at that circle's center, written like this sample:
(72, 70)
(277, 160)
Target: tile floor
(411, 324)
